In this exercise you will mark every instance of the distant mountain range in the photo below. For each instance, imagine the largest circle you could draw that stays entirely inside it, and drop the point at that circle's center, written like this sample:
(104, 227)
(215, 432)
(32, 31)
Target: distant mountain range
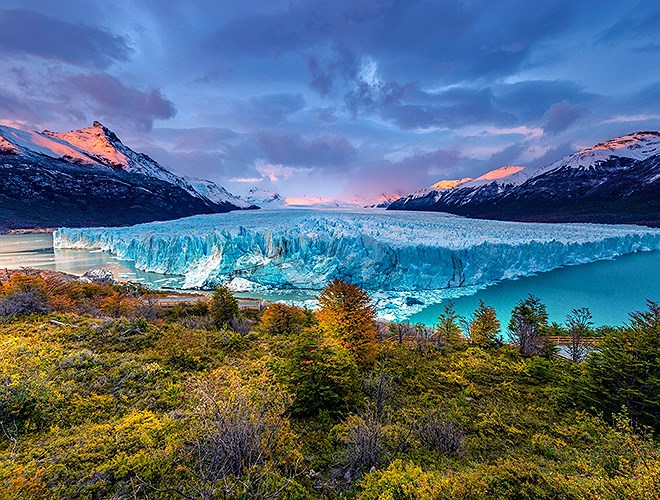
(88, 177)
(617, 181)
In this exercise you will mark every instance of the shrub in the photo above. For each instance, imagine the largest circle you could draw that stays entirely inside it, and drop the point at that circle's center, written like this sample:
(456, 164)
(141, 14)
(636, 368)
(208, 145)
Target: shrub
(363, 440)
(23, 302)
(240, 443)
(438, 434)
(400, 481)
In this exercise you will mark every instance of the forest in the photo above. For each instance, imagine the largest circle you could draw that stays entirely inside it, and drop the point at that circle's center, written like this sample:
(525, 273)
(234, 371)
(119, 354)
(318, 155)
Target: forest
(106, 394)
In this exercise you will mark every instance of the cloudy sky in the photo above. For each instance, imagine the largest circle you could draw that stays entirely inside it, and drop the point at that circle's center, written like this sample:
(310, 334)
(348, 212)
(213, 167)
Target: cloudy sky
(335, 98)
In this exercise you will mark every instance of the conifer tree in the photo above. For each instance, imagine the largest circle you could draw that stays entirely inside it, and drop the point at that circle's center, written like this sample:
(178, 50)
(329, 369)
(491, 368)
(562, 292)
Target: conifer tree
(224, 306)
(528, 319)
(624, 373)
(485, 327)
(448, 328)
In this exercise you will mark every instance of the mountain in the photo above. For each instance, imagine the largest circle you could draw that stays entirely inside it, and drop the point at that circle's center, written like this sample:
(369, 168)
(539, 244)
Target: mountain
(217, 194)
(617, 181)
(88, 177)
(264, 198)
(382, 201)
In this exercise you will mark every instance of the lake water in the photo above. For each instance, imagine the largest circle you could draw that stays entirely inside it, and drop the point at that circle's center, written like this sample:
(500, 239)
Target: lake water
(611, 289)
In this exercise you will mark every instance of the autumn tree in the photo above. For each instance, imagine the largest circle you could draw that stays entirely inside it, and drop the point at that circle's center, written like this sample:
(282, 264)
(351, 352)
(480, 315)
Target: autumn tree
(280, 319)
(347, 314)
(484, 327)
(528, 319)
(224, 306)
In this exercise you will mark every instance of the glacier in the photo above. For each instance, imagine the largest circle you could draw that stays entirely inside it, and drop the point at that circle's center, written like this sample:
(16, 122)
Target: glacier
(406, 260)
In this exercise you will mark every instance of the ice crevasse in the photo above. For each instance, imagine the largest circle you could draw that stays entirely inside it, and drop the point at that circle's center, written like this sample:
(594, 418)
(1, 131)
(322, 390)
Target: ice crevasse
(381, 251)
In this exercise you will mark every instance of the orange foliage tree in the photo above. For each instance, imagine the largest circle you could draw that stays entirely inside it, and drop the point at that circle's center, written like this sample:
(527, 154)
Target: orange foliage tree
(347, 314)
(280, 319)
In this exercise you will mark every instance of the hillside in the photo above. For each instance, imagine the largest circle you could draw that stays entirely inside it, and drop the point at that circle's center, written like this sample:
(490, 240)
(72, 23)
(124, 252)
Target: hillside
(88, 177)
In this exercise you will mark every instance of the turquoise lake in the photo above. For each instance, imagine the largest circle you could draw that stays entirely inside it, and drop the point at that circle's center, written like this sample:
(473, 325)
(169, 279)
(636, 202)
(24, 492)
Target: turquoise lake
(611, 289)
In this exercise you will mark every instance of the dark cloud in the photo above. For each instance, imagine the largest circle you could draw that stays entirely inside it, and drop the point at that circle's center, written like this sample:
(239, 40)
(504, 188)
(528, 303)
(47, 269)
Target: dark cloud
(454, 108)
(27, 33)
(402, 176)
(560, 116)
(343, 64)
(110, 97)
(267, 110)
(530, 100)
(552, 155)
(320, 151)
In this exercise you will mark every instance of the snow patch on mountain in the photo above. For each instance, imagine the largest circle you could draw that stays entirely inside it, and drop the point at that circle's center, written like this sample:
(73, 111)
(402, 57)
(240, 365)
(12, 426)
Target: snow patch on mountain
(264, 198)
(100, 147)
(217, 194)
(637, 146)
(100, 144)
(450, 183)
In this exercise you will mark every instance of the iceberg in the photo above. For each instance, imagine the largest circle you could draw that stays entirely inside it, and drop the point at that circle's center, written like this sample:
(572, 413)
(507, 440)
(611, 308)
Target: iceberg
(394, 255)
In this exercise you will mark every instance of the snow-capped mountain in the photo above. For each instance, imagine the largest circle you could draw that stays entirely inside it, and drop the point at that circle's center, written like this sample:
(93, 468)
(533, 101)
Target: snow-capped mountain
(383, 201)
(217, 194)
(614, 182)
(264, 198)
(89, 177)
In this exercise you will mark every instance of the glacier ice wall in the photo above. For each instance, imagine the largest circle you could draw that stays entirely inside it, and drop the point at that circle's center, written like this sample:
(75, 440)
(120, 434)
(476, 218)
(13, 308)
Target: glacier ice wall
(384, 251)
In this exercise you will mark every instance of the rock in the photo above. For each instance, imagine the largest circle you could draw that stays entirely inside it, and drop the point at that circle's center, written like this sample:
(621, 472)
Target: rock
(412, 301)
(99, 277)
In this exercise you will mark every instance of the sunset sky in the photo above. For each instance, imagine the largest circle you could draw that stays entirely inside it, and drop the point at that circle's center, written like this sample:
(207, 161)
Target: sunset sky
(335, 98)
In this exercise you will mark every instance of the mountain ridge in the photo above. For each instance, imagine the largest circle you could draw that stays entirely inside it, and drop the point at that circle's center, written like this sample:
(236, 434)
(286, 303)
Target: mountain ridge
(89, 177)
(615, 181)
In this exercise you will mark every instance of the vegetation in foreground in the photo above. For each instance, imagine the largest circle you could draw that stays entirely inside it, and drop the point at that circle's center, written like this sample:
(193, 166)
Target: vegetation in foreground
(105, 395)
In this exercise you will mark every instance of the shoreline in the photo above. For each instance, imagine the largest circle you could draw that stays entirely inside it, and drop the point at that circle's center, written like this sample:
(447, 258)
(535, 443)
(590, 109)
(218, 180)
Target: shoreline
(32, 230)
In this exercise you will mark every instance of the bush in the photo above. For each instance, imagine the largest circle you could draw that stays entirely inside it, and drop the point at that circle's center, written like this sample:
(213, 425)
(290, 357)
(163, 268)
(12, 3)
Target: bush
(23, 302)
(400, 481)
(241, 445)
(439, 435)
(364, 443)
